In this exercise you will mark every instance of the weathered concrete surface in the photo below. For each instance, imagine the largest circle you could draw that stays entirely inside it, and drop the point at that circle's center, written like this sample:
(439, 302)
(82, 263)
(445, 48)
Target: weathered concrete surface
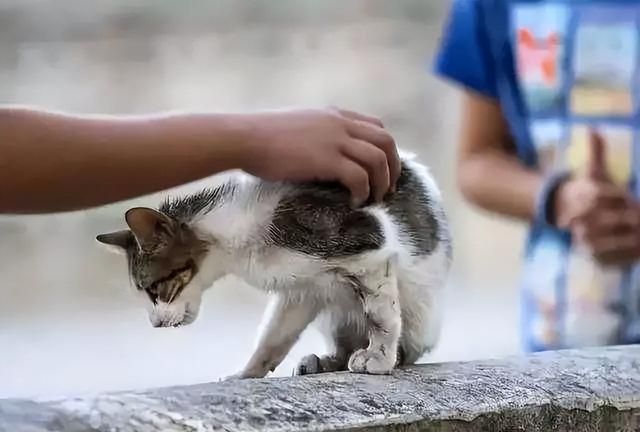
(585, 390)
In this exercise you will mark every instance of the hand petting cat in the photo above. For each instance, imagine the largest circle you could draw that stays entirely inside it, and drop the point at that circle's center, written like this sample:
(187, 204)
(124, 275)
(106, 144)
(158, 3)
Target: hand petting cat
(54, 162)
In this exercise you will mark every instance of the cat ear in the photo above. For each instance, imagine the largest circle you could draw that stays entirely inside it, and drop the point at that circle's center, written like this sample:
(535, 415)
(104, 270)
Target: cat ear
(117, 241)
(151, 229)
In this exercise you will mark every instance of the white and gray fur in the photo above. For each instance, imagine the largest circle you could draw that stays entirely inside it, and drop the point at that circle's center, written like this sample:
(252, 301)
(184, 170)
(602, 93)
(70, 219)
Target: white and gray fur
(370, 277)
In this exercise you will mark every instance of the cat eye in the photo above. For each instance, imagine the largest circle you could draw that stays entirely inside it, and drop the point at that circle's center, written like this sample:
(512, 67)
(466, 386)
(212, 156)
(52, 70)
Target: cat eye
(178, 278)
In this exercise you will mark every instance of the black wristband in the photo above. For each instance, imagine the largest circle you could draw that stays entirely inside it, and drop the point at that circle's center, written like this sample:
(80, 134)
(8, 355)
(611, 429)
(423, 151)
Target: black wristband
(545, 211)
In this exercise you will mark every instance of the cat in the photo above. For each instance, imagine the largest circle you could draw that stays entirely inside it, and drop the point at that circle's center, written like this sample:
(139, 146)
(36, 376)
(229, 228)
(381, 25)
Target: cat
(371, 277)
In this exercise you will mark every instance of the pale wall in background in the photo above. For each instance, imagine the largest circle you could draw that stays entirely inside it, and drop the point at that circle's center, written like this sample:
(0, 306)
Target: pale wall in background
(68, 323)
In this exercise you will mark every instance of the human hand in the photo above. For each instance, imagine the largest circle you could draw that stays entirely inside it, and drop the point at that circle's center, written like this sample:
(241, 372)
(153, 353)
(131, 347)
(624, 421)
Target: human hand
(611, 236)
(326, 145)
(602, 216)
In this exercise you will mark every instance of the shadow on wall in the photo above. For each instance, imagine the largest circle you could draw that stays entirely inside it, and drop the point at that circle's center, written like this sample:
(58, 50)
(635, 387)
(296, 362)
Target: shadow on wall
(67, 321)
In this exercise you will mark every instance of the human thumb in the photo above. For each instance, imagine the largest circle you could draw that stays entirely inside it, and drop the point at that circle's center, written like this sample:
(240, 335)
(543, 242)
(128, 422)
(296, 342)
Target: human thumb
(597, 162)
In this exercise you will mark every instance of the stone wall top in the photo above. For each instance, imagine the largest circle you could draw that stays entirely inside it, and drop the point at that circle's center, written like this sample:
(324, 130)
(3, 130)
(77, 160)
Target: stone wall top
(575, 390)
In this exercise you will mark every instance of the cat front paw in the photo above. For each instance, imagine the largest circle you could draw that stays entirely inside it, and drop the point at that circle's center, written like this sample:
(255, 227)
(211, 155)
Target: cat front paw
(369, 361)
(234, 377)
(244, 375)
(309, 365)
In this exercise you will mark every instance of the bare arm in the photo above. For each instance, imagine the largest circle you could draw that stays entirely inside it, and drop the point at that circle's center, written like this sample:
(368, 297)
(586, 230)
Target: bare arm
(489, 173)
(55, 162)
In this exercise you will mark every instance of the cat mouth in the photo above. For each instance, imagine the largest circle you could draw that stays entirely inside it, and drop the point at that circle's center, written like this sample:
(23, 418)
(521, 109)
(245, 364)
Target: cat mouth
(172, 318)
(188, 319)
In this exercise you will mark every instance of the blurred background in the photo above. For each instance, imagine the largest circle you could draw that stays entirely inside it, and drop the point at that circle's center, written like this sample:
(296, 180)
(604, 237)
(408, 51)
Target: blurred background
(69, 323)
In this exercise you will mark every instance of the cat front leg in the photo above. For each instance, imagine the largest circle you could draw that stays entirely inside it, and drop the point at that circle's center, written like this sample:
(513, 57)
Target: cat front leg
(285, 320)
(345, 335)
(378, 291)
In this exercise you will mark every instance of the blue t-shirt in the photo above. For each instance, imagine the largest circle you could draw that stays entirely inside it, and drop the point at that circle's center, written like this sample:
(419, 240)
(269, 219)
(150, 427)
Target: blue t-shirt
(559, 68)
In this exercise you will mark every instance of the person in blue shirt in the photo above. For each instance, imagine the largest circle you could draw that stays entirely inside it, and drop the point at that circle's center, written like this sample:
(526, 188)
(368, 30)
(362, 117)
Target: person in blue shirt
(549, 134)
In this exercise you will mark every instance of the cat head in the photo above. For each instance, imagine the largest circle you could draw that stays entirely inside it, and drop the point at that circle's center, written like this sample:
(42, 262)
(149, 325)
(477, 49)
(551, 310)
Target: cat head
(164, 256)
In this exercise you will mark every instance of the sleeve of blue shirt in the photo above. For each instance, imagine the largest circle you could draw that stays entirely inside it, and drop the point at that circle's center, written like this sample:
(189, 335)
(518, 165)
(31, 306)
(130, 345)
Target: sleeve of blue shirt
(464, 55)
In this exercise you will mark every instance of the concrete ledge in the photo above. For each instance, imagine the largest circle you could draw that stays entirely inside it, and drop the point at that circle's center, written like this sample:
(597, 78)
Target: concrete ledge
(582, 390)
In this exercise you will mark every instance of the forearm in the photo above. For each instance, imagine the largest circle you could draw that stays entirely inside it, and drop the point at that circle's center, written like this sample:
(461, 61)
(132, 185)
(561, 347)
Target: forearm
(499, 183)
(53, 162)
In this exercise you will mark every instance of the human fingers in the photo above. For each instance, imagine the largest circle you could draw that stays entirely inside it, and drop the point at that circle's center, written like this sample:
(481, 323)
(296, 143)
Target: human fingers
(355, 178)
(383, 140)
(374, 161)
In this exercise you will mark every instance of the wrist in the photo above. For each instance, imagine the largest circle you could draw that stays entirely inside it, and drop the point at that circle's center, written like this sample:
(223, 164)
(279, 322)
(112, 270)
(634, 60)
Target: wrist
(247, 140)
(231, 139)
